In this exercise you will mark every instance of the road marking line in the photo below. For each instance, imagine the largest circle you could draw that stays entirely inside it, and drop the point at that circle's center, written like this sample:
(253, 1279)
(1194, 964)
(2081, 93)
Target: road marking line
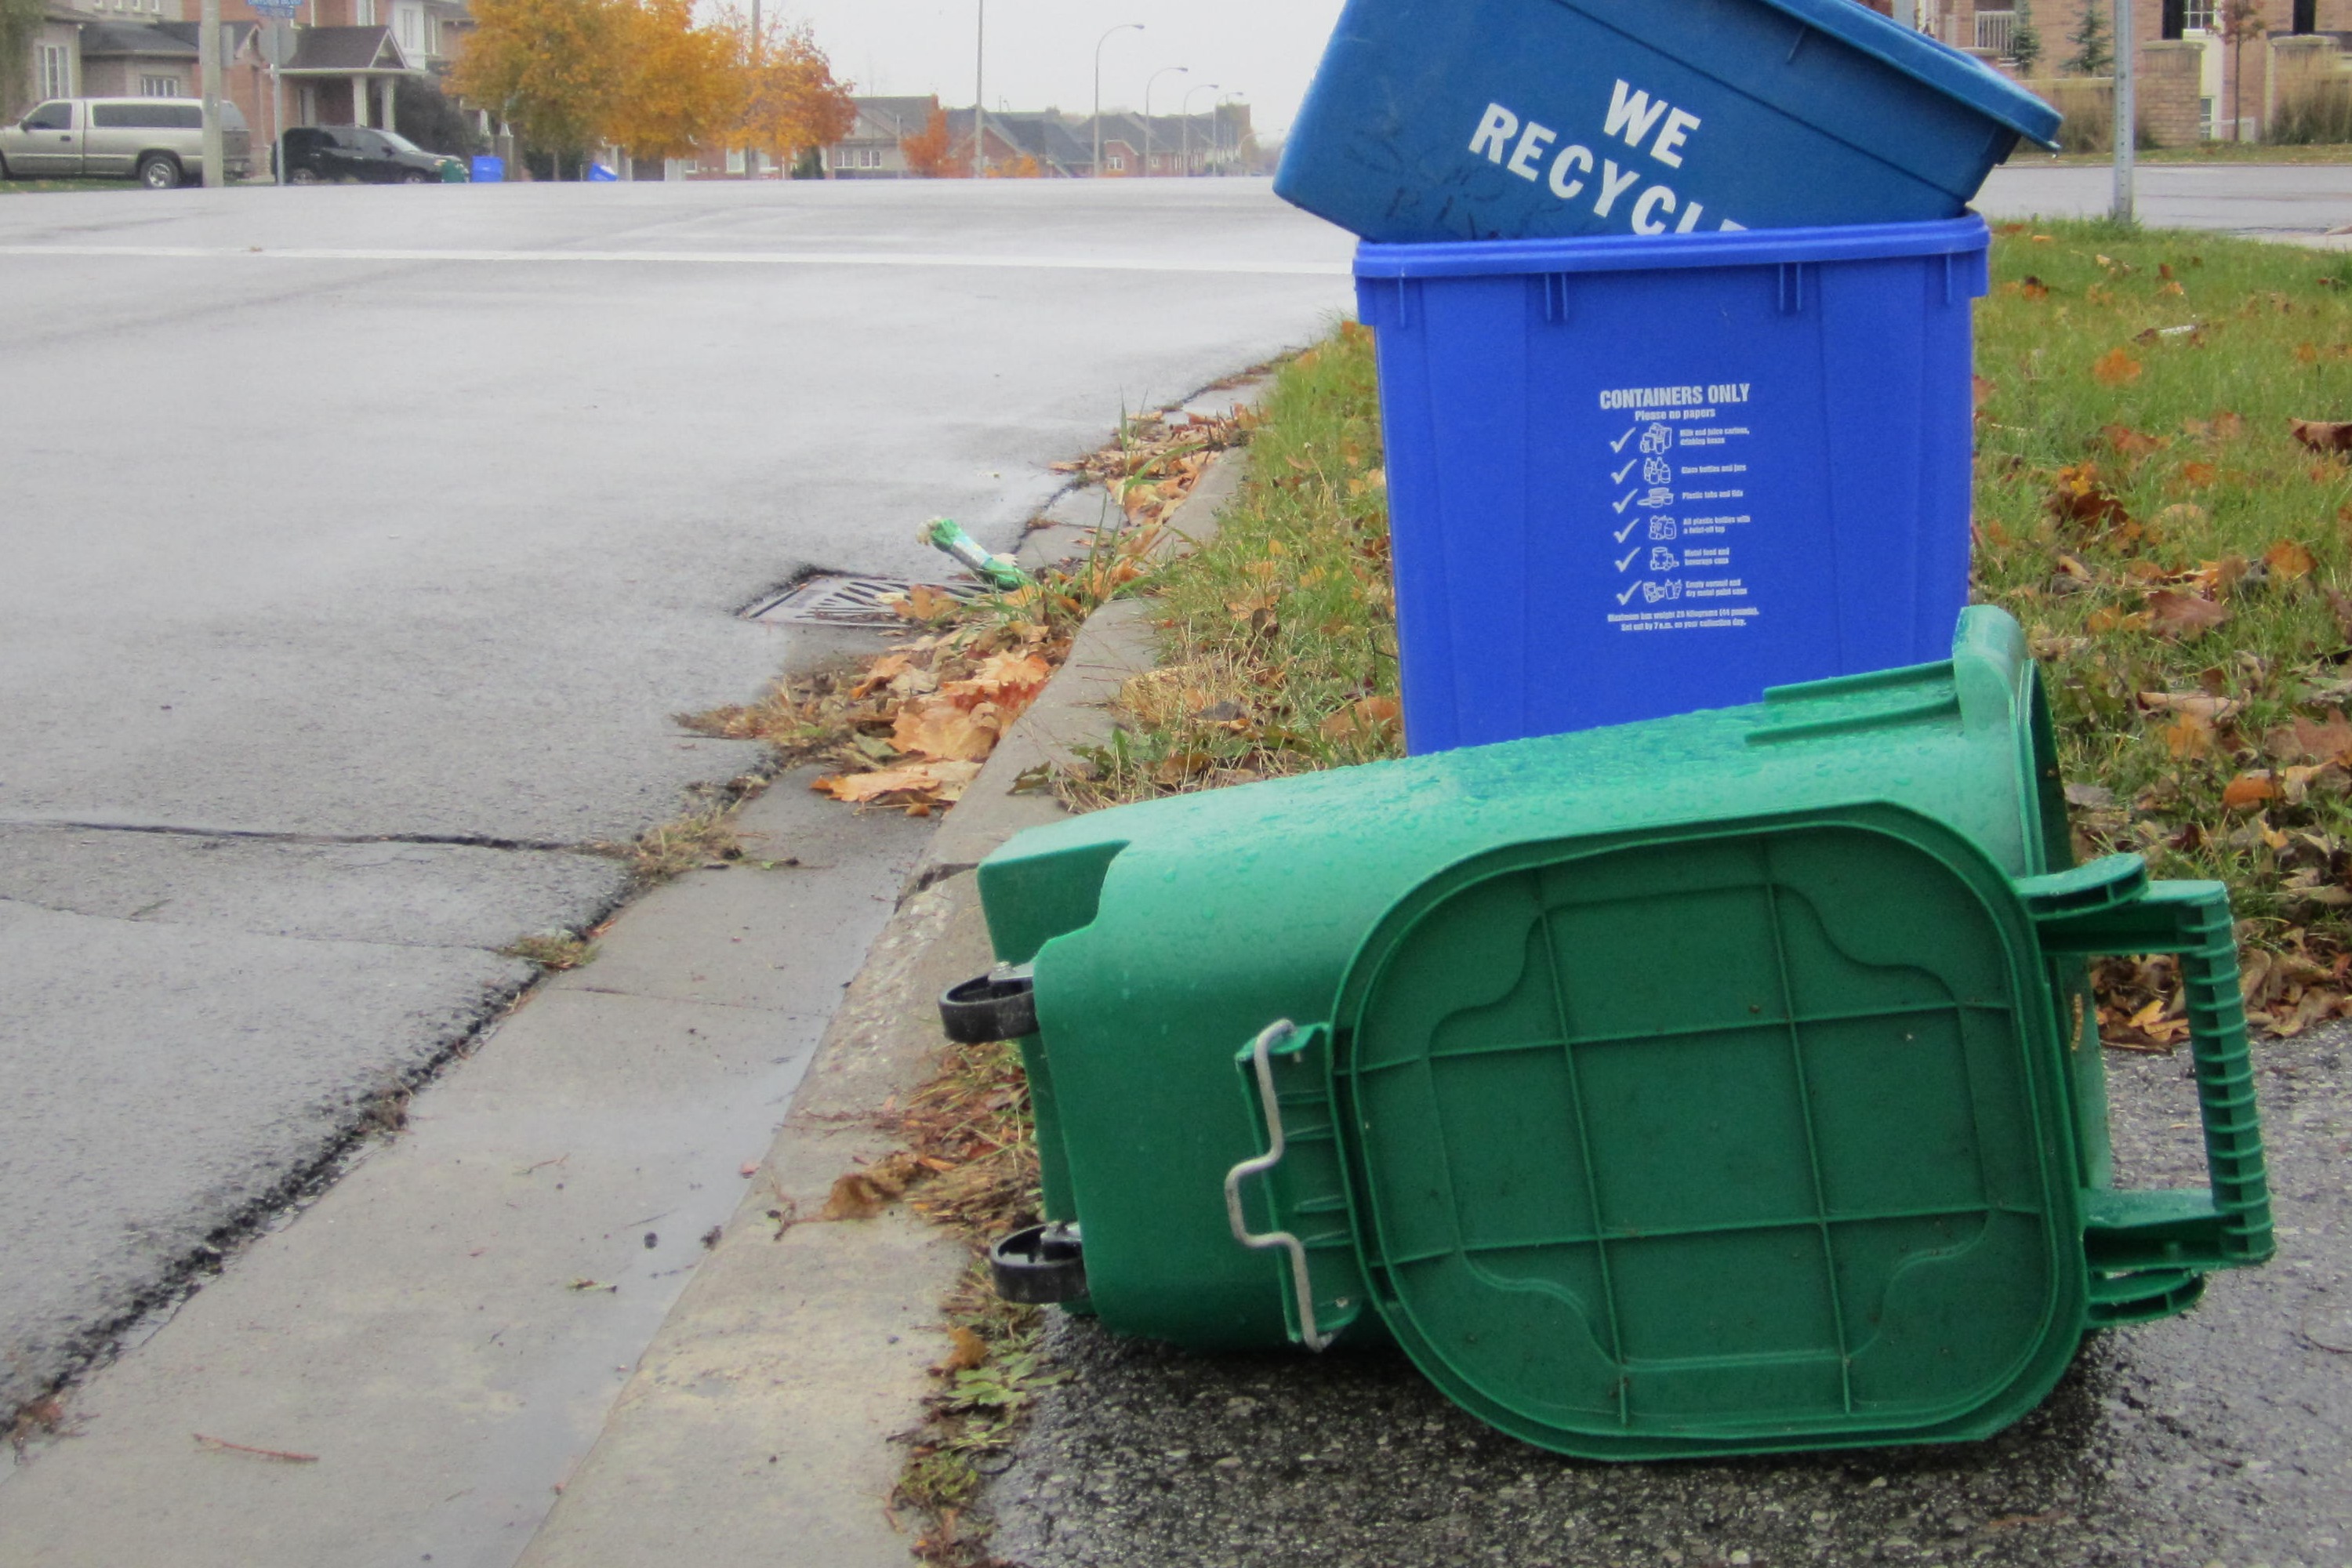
(695, 258)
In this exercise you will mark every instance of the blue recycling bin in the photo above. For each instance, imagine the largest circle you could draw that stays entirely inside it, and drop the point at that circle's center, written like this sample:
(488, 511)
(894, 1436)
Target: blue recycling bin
(488, 171)
(1438, 120)
(1634, 477)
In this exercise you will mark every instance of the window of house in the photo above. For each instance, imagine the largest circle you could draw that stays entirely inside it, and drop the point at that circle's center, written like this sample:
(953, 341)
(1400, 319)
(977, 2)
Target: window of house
(2197, 15)
(408, 26)
(159, 87)
(363, 12)
(735, 160)
(56, 79)
(1117, 162)
(870, 158)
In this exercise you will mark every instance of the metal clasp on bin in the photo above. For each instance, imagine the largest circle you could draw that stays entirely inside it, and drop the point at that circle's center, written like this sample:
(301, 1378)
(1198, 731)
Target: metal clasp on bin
(1302, 1281)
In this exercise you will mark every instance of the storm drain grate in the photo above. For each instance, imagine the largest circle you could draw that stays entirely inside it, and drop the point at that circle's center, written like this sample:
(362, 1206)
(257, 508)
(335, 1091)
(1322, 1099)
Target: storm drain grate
(830, 601)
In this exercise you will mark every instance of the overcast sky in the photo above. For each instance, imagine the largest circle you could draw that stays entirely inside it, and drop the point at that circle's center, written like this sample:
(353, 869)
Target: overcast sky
(1041, 52)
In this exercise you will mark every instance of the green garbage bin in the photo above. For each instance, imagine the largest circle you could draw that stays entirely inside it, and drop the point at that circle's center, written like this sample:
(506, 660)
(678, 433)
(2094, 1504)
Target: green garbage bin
(1713, 1084)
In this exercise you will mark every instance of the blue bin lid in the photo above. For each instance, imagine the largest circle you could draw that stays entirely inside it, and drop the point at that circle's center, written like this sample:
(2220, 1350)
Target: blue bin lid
(1666, 252)
(1932, 64)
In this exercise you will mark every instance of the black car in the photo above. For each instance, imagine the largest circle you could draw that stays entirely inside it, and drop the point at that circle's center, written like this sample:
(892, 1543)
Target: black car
(316, 154)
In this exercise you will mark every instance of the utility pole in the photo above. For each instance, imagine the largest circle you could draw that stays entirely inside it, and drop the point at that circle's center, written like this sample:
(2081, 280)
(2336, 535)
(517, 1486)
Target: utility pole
(750, 155)
(209, 64)
(980, 97)
(2127, 110)
(1094, 171)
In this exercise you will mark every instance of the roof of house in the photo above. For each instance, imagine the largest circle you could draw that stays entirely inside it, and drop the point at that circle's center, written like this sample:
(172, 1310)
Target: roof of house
(892, 119)
(1044, 136)
(353, 49)
(106, 39)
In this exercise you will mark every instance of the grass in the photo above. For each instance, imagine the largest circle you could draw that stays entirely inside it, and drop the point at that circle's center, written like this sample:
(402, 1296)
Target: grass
(552, 949)
(38, 188)
(2179, 559)
(1280, 649)
(2027, 157)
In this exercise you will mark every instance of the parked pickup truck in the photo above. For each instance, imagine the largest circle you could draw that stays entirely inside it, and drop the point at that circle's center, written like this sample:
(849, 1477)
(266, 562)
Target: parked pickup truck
(159, 142)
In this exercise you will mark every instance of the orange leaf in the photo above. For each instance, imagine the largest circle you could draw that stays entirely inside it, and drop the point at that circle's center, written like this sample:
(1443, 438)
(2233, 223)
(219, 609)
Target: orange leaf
(2116, 368)
(2187, 736)
(2127, 442)
(2248, 790)
(2288, 560)
(940, 729)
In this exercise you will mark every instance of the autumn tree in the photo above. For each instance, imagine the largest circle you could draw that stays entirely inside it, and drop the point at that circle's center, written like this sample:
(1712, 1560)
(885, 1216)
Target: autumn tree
(554, 70)
(930, 152)
(682, 87)
(2240, 23)
(792, 103)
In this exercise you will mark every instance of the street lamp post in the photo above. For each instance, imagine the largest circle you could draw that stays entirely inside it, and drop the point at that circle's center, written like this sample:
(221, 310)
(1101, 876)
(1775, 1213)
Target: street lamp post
(1155, 75)
(1095, 171)
(1184, 108)
(1218, 125)
(980, 94)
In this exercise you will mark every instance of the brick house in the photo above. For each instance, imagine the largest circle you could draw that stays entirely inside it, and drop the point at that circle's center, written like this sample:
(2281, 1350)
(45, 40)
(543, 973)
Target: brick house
(2189, 81)
(351, 57)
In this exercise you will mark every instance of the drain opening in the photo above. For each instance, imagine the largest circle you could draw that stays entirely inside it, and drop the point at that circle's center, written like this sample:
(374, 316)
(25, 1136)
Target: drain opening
(838, 601)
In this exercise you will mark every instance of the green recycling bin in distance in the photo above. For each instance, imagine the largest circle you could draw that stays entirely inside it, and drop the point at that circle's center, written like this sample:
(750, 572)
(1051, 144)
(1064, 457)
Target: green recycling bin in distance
(1711, 1084)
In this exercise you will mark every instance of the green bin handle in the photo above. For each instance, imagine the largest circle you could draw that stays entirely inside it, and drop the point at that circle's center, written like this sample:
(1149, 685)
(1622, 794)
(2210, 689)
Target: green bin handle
(2110, 906)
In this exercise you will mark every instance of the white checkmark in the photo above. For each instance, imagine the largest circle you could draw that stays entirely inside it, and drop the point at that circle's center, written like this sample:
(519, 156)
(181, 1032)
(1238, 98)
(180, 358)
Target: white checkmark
(1619, 477)
(1629, 592)
(1619, 443)
(1629, 560)
(1628, 529)
(1626, 502)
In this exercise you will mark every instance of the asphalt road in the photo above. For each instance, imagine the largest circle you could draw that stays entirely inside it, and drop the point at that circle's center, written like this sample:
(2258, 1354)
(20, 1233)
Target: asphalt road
(2260, 199)
(2221, 1439)
(360, 544)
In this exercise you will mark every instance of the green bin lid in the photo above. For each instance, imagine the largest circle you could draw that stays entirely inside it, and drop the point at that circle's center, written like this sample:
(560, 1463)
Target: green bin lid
(1724, 1140)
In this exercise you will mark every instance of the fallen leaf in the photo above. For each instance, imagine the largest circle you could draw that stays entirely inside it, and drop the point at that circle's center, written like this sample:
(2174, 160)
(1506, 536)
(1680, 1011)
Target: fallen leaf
(2171, 289)
(2078, 495)
(1982, 390)
(2248, 790)
(1007, 679)
(923, 781)
(854, 1196)
(966, 1350)
(2188, 736)
(2340, 604)
(2127, 442)
(2181, 514)
(2322, 434)
(2311, 738)
(942, 729)
(2288, 561)
(2116, 368)
(2090, 797)
(2200, 704)
(2182, 616)
(2198, 475)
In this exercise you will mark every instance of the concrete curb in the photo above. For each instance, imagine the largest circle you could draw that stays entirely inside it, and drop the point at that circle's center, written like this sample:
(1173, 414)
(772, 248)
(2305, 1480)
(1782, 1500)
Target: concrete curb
(1075, 709)
(757, 1425)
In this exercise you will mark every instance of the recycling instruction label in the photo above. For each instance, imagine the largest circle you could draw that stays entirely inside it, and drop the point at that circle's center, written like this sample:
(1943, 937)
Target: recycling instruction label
(1678, 515)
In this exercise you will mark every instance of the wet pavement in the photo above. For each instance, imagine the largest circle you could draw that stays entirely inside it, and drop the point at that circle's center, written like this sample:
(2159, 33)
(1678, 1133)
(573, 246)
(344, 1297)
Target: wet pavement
(2224, 1437)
